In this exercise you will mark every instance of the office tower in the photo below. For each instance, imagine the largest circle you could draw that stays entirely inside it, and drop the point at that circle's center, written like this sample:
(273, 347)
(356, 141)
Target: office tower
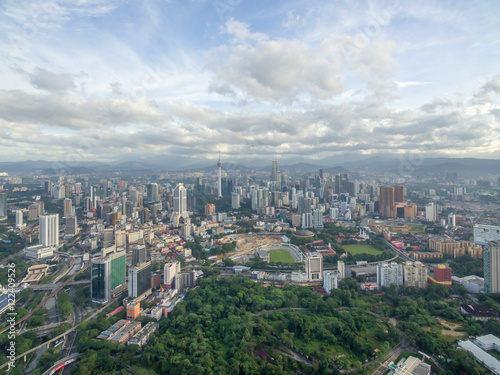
(451, 220)
(19, 219)
(388, 274)
(399, 193)
(170, 270)
(139, 279)
(49, 230)
(152, 192)
(68, 207)
(180, 204)
(3, 206)
(295, 220)
(71, 226)
(219, 165)
(314, 266)
(492, 267)
(275, 176)
(386, 200)
(331, 280)
(107, 273)
(415, 275)
(235, 201)
(92, 198)
(47, 187)
(124, 206)
(138, 254)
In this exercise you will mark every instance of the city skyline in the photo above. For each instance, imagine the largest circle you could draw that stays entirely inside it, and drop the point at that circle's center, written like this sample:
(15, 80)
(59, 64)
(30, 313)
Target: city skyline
(293, 79)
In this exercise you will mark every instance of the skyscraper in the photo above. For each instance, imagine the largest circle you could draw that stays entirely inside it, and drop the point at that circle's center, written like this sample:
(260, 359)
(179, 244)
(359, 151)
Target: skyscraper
(3, 206)
(219, 165)
(49, 230)
(153, 192)
(492, 267)
(275, 176)
(68, 207)
(139, 279)
(180, 203)
(138, 254)
(107, 273)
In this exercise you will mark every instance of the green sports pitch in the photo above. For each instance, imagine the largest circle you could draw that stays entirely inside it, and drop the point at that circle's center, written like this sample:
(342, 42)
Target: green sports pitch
(280, 256)
(361, 249)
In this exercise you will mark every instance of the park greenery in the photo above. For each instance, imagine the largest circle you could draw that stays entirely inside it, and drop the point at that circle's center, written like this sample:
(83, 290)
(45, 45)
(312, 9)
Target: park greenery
(236, 326)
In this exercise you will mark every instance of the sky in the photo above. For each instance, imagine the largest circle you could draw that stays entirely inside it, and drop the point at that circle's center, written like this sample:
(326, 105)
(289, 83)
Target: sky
(298, 79)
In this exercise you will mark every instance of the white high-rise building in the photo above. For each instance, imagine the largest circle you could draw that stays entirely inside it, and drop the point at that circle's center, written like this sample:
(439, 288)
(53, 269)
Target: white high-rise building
(180, 201)
(389, 273)
(19, 219)
(331, 280)
(334, 213)
(318, 219)
(49, 230)
(431, 213)
(170, 270)
(307, 220)
(152, 192)
(451, 220)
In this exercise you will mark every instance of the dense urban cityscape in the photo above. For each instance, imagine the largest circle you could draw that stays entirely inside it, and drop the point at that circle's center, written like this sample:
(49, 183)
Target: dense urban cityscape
(123, 259)
(234, 187)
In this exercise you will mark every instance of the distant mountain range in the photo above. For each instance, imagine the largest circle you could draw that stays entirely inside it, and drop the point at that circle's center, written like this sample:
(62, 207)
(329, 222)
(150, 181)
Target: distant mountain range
(419, 167)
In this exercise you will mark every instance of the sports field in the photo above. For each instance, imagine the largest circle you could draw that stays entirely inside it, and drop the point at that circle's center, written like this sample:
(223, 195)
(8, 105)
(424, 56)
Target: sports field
(281, 256)
(361, 249)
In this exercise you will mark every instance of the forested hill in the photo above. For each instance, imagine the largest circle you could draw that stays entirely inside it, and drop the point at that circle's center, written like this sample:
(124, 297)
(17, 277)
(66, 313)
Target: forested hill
(237, 326)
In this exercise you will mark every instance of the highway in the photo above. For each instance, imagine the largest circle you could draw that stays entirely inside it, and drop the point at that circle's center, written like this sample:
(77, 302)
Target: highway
(44, 301)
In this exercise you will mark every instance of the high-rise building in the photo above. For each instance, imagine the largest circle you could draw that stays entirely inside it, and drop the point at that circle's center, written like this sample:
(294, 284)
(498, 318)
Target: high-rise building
(341, 269)
(180, 203)
(314, 266)
(68, 207)
(318, 219)
(138, 254)
(219, 165)
(49, 230)
(71, 226)
(331, 280)
(19, 219)
(170, 270)
(492, 267)
(307, 220)
(389, 273)
(107, 273)
(47, 187)
(3, 206)
(415, 275)
(235, 201)
(139, 279)
(431, 213)
(275, 176)
(152, 192)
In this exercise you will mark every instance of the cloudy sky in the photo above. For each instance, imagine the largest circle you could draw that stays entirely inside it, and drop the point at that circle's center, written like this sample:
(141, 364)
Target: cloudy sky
(312, 79)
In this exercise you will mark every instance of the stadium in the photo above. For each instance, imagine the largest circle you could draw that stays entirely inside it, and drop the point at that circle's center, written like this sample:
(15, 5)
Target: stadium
(280, 252)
